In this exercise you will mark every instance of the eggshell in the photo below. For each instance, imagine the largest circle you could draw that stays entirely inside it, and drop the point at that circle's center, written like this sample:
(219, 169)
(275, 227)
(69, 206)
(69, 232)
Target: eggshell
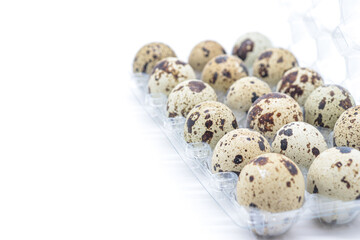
(271, 182)
(347, 129)
(167, 74)
(299, 141)
(325, 105)
(146, 58)
(335, 174)
(222, 71)
(208, 122)
(271, 65)
(186, 95)
(272, 111)
(236, 149)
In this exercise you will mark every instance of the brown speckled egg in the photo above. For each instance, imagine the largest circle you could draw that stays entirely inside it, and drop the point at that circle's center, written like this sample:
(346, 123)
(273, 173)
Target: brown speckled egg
(272, 111)
(325, 105)
(149, 55)
(347, 129)
(335, 173)
(249, 46)
(271, 65)
(236, 149)
(271, 182)
(167, 74)
(244, 92)
(203, 52)
(186, 95)
(208, 122)
(299, 83)
(299, 141)
(222, 71)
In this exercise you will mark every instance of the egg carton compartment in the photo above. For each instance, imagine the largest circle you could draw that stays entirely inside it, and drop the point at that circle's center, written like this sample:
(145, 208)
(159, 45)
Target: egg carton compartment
(222, 186)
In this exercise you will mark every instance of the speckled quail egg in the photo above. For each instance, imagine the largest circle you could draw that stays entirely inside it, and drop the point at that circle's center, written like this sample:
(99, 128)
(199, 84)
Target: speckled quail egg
(299, 141)
(299, 83)
(167, 74)
(186, 95)
(335, 174)
(222, 71)
(271, 182)
(271, 65)
(347, 129)
(249, 46)
(146, 58)
(325, 105)
(236, 149)
(244, 92)
(272, 111)
(208, 122)
(203, 52)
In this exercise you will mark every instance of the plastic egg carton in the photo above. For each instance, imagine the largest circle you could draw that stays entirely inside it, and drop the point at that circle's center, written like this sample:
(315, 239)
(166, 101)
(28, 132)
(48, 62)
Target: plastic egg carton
(222, 186)
(334, 41)
(328, 31)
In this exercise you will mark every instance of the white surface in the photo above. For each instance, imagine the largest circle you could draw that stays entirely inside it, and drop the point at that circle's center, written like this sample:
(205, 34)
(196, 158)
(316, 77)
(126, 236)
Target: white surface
(79, 159)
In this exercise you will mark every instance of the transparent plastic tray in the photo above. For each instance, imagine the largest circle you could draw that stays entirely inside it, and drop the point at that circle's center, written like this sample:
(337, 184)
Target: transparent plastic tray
(222, 186)
(332, 43)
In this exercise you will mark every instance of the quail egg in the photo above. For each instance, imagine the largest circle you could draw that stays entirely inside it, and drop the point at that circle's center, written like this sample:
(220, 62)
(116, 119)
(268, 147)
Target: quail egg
(203, 52)
(249, 46)
(146, 58)
(167, 74)
(244, 92)
(186, 95)
(272, 111)
(271, 65)
(271, 182)
(299, 83)
(325, 105)
(236, 149)
(222, 71)
(335, 174)
(347, 129)
(208, 122)
(299, 141)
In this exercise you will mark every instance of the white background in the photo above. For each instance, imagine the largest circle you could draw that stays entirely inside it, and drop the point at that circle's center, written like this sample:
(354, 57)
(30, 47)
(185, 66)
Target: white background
(79, 159)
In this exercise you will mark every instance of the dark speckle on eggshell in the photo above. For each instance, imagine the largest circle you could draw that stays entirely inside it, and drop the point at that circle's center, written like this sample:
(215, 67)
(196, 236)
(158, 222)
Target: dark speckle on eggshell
(346, 182)
(315, 151)
(180, 62)
(253, 205)
(234, 124)
(284, 144)
(288, 132)
(263, 72)
(238, 159)
(260, 161)
(254, 97)
(226, 73)
(246, 46)
(214, 78)
(221, 59)
(315, 189)
(322, 103)
(207, 136)
(191, 120)
(290, 166)
(266, 54)
(206, 51)
(196, 86)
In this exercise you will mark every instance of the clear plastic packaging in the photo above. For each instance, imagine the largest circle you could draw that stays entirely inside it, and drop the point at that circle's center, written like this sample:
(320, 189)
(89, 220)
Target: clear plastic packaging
(222, 186)
(335, 44)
